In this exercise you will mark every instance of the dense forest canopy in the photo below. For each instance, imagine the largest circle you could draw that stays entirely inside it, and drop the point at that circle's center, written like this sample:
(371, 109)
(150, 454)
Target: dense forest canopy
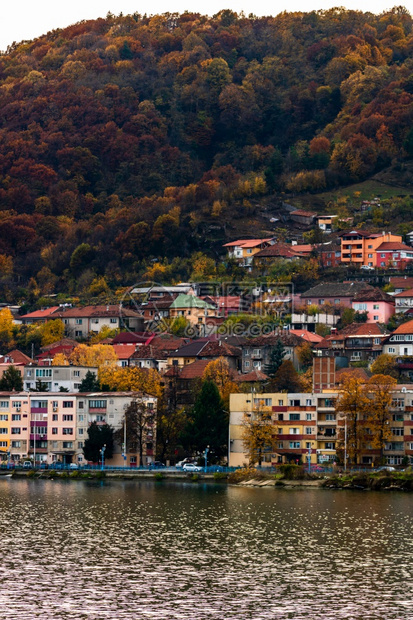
(121, 136)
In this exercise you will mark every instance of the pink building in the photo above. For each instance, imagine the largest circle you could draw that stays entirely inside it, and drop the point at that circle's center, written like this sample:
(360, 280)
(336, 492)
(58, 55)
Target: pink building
(378, 305)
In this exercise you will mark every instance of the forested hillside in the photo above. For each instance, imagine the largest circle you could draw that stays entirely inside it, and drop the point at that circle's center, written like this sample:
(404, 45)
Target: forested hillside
(121, 137)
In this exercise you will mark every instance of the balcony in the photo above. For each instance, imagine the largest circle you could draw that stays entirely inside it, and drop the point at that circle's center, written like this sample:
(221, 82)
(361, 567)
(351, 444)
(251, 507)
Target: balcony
(38, 410)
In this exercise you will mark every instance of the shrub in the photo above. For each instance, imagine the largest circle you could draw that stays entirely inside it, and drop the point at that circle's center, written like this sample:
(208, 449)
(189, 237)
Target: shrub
(290, 471)
(195, 477)
(31, 473)
(74, 474)
(245, 473)
(220, 475)
(158, 476)
(100, 475)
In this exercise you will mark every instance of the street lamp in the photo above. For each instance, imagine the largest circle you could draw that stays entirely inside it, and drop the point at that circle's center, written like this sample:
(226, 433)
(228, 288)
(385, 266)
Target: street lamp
(309, 460)
(102, 454)
(206, 457)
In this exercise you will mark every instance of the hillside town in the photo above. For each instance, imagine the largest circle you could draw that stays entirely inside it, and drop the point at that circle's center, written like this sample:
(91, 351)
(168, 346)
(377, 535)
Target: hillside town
(279, 358)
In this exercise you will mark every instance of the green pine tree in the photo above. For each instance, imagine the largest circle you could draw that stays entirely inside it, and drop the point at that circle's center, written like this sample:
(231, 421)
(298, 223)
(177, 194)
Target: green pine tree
(99, 435)
(90, 383)
(276, 359)
(208, 423)
(11, 380)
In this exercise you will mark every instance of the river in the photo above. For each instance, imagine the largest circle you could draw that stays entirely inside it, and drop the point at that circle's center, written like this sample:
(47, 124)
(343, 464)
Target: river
(165, 551)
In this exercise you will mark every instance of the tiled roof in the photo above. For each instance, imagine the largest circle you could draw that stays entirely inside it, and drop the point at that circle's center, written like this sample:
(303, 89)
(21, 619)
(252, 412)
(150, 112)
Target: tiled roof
(124, 351)
(108, 310)
(278, 249)
(361, 233)
(405, 328)
(229, 301)
(218, 348)
(247, 243)
(194, 370)
(287, 338)
(254, 376)
(364, 329)
(336, 289)
(408, 293)
(403, 282)
(16, 357)
(132, 337)
(306, 335)
(393, 245)
(375, 294)
(64, 342)
(356, 373)
(41, 314)
(302, 213)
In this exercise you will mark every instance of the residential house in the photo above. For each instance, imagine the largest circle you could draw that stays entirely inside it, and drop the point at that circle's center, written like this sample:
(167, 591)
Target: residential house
(379, 305)
(400, 342)
(360, 247)
(401, 283)
(49, 352)
(358, 342)
(256, 352)
(205, 350)
(335, 294)
(136, 338)
(81, 322)
(326, 222)
(306, 218)
(182, 381)
(404, 302)
(243, 250)
(193, 309)
(393, 254)
(275, 251)
(39, 316)
(155, 354)
(16, 357)
(124, 354)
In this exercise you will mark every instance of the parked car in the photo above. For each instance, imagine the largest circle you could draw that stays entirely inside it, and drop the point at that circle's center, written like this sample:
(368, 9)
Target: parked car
(57, 465)
(156, 465)
(27, 465)
(191, 467)
(73, 466)
(180, 464)
(367, 268)
(386, 468)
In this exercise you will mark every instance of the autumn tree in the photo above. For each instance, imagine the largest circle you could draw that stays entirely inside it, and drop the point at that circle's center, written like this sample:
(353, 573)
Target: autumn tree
(97, 355)
(60, 359)
(380, 390)
(130, 379)
(6, 328)
(52, 331)
(351, 408)
(286, 379)
(219, 372)
(385, 364)
(99, 435)
(305, 355)
(139, 419)
(258, 434)
(11, 380)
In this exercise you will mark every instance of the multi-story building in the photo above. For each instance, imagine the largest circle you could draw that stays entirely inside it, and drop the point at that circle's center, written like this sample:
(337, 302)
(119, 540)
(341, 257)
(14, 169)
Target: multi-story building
(50, 427)
(243, 250)
(361, 247)
(55, 378)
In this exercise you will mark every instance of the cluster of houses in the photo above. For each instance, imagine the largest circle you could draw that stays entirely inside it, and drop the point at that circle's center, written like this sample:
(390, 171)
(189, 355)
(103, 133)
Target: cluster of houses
(356, 247)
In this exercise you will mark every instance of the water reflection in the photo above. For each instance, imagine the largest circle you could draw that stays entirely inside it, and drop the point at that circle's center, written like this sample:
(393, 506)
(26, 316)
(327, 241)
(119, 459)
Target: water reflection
(182, 551)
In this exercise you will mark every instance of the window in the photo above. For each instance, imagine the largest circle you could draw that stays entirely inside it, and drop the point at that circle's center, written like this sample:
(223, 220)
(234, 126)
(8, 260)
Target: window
(81, 405)
(97, 404)
(76, 373)
(294, 444)
(16, 444)
(330, 445)
(246, 364)
(81, 417)
(308, 416)
(330, 416)
(293, 431)
(375, 306)
(268, 402)
(397, 431)
(80, 432)
(15, 431)
(44, 372)
(3, 431)
(16, 417)
(308, 402)
(370, 256)
(68, 431)
(114, 321)
(294, 403)
(308, 430)
(67, 445)
(294, 416)
(68, 404)
(280, 403)
(68, 417)
(376, 317)
(55, 417)
(79, 321)
(308, 445)
(398, 417)
(280, 445)
(17, 404)
(3, 444)
(78, 333)
(398, 403)
(256, 352)
(4, 417)
(391, 350)
(54, 431)
(80, 444)
(4, 404)
(281, 416)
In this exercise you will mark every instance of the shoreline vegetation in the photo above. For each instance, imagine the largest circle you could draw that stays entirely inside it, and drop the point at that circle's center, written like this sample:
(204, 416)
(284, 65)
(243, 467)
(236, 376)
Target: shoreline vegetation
(289, 476)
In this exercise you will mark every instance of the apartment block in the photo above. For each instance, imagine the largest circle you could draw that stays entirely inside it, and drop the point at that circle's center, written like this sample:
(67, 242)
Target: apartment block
(55, 378)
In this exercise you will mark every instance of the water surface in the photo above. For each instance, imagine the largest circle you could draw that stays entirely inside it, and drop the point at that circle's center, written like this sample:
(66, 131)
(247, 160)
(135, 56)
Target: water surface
(132, 550)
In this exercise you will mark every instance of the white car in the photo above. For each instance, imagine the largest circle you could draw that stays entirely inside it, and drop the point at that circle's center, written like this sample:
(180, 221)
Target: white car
(367, 268)
(73, 466)
(191, 467)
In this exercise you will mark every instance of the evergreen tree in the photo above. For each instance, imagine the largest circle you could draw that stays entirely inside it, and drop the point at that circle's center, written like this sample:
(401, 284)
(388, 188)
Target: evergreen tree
(90, 383)
(11, 380)
(98, 436)
(208, 422)
(41, 386)
(276, 359)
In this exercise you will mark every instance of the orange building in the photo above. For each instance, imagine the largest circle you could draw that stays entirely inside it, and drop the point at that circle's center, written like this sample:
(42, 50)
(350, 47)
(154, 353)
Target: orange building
(360, 246)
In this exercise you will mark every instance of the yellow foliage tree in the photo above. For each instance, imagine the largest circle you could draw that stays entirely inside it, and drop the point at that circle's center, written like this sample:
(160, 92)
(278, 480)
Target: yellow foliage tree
(258, 435)
(52, 331)
(128, 379)
(219, 372)
(351, 407)
(380, 393)
(97, 355)
(6, 327)
(60, 360)
(104, 332)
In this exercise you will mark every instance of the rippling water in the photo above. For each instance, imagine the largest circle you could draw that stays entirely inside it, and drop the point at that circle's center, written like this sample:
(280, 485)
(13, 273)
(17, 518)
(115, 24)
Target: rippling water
(118, 550)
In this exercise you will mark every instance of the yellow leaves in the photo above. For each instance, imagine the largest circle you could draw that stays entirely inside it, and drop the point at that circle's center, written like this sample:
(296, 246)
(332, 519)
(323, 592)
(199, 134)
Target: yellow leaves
(258, 435)
(6, 324)
(104, 332)
(219, 372)
(97, 355)
(60, 360)
(6, 266)
(52, 331)
(130, 380)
